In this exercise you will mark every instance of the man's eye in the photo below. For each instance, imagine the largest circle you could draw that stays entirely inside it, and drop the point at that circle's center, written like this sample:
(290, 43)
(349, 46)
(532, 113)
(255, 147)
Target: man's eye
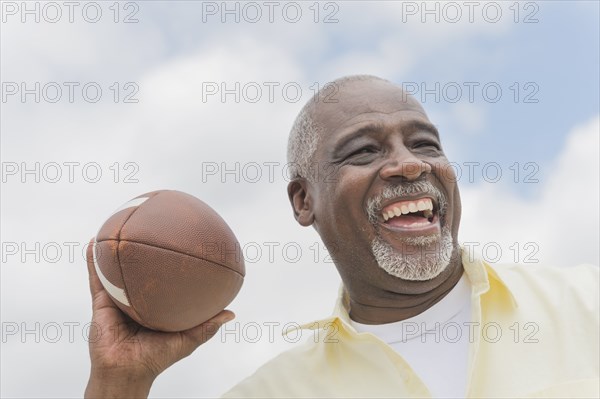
(426, 145)
(363, 150)
(361, 155)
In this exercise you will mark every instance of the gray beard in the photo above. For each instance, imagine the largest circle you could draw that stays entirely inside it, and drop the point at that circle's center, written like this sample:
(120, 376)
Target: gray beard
(416, 263)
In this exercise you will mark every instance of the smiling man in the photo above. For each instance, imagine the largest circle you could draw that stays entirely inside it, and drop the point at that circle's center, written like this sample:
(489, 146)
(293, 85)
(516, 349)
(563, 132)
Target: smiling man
(417, 316)
(389, 212)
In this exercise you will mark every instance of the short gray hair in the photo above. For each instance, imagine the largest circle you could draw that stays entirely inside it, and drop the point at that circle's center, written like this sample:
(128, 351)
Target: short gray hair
(305, 133)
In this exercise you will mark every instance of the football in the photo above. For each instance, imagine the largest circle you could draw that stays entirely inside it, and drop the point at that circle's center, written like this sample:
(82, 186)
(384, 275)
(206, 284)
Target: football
(168, 260)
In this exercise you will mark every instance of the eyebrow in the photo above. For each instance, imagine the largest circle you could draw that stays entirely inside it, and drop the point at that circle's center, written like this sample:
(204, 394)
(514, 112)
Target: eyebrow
(375, 127)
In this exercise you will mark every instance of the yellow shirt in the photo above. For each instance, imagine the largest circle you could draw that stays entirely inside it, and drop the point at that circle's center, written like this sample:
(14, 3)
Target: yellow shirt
(535, 333)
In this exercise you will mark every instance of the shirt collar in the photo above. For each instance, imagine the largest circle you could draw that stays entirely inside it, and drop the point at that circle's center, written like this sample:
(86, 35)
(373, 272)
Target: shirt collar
(479, 273)
(477, 270)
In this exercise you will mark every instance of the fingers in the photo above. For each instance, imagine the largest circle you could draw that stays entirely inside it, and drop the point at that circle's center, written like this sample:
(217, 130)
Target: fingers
(196, 336)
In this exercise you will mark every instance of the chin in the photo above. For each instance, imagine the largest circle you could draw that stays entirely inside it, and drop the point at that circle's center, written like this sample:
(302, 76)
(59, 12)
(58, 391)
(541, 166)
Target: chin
(426, 259)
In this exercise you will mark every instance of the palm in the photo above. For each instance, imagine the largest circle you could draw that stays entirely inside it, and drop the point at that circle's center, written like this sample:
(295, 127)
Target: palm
(118, 342)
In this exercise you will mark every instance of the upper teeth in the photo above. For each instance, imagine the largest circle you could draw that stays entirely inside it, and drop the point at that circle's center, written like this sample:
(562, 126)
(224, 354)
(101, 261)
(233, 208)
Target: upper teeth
(406, 207)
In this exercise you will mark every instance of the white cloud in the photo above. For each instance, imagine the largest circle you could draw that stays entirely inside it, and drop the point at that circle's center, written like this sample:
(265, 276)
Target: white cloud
(168, 134)
(559, 225)
(469, 117)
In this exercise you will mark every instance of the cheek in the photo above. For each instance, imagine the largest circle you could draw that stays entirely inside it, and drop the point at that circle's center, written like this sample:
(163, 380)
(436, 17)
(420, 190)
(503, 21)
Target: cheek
(344, 196)
(457, 211)
(448, 173)
(352, 178)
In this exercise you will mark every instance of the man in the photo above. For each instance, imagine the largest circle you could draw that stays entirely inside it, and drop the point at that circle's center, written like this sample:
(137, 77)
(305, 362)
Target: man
(417, 316)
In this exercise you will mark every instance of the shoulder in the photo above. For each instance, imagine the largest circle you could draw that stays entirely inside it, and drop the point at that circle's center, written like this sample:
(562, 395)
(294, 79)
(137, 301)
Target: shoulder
(584, 277)
(558, 287)
(553, 329)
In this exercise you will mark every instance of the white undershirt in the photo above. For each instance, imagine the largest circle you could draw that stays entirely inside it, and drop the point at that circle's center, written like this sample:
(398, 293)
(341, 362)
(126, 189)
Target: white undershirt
(437, 353)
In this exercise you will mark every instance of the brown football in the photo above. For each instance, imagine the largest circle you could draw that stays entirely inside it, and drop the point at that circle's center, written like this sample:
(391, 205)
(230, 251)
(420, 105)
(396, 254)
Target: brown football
(168, 260)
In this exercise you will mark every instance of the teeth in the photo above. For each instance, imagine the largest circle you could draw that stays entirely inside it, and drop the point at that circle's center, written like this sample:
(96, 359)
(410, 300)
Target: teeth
(429, 204)
(424, 205)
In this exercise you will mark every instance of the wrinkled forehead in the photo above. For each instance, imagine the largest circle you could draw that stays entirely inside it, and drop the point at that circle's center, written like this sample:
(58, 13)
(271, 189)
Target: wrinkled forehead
(358, 100)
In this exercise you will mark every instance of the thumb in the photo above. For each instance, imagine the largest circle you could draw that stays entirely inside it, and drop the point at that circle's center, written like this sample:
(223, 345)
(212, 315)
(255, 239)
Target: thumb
(100, 298)
(196, 336)
(95, 284)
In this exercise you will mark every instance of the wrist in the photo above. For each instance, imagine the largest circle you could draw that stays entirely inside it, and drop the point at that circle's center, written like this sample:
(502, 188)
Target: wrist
(115, 383)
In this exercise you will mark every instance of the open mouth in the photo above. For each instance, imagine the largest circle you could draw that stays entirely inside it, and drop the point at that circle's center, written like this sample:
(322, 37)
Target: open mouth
(410, 214)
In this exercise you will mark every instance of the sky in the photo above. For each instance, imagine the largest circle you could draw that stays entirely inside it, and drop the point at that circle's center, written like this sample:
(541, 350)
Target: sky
(104, 101)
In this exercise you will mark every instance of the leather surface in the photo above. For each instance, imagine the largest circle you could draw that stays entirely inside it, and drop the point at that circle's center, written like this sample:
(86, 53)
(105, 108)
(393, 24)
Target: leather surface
(175, 257)
(179, 291)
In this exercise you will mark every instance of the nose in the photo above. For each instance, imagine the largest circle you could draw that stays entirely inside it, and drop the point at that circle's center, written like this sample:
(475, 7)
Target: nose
(403, 164)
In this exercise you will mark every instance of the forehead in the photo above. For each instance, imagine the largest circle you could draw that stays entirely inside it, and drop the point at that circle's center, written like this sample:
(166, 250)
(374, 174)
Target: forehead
(359, 102)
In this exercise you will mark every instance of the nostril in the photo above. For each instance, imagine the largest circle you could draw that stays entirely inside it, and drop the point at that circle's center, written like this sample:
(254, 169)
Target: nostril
(427, 167)
(412, 168)
(407, 170)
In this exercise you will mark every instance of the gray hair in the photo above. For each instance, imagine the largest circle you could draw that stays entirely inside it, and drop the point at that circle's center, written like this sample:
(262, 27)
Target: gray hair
(305, 133)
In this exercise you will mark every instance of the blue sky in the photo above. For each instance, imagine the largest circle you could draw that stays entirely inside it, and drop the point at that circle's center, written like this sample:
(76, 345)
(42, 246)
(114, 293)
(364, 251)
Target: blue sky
(170, 134)
(556, 57)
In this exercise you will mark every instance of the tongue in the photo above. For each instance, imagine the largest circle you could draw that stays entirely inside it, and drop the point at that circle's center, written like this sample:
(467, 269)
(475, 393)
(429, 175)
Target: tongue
(406, 220)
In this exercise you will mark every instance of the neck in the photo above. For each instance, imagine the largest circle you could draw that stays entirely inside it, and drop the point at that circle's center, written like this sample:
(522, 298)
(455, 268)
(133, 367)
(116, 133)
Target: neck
(383, 306)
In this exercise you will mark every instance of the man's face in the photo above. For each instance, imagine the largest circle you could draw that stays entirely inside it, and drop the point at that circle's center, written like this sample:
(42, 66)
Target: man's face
(385, 200)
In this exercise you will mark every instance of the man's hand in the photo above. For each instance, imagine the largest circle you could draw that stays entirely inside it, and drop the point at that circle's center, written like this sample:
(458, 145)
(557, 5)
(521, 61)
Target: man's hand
(126, 357)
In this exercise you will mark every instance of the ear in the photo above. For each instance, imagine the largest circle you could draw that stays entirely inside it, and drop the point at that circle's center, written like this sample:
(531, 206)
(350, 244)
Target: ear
(301, 201)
